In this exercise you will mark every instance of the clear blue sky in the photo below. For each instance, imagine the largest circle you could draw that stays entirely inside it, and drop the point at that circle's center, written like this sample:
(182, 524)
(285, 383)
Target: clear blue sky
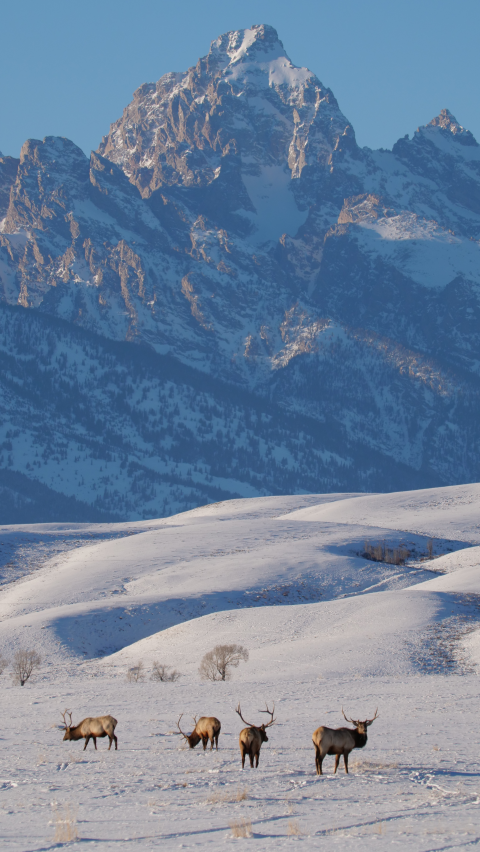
(68, 67)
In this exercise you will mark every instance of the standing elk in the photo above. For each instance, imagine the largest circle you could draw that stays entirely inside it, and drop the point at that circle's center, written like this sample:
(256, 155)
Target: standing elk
(340, 741)
(207, 728)
(100, 726)
(251, 738)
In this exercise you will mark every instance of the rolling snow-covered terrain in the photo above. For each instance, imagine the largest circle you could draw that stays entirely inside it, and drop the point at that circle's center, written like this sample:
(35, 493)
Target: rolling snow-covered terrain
(326, 627)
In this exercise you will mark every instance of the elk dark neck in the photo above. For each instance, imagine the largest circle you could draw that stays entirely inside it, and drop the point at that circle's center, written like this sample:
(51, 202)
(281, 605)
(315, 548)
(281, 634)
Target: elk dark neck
(76, 733)
(360, 739)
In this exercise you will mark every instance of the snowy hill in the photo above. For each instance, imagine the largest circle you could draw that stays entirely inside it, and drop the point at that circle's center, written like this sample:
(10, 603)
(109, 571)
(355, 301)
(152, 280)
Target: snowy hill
(325, 626)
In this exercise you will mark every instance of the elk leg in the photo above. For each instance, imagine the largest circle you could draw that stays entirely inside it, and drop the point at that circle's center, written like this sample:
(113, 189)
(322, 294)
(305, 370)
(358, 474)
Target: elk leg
(345, 760)
(242, 752)
(251, 759)
(86, 742)
(257, 756)
(212, 742)
(110, 741)
(337, 761)
(318, 761)
(114, 737)
(216, 741)
(94, 742)
(204, 742)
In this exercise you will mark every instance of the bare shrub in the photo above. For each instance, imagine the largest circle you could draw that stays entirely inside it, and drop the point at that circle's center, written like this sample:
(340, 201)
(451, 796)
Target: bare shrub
(25, 662)
(217, 664)
(381, 553)
(3, 663)
(293, 828)
(135, 674)
(163, 672)
(241, 828)
(65, 823)
(430, 548)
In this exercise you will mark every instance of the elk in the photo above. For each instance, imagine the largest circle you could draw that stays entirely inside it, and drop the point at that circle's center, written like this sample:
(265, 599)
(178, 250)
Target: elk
(252, 737)
(207, 728)
(340, 741)
(100, 726)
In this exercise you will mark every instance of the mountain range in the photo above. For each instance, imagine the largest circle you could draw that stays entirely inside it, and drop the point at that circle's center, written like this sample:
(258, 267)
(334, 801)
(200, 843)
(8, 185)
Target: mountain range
(231, 298)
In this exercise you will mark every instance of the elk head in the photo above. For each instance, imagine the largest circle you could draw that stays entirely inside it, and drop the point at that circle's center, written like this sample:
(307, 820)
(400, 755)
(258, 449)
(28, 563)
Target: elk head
(192, 739)
(260, 728)
(361, 726)
(68, 725)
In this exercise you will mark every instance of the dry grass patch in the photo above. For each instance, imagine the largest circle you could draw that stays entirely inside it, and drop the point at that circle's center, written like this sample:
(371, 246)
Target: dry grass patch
(241, 828)
(238, 795)
(293, 828)
(65, 822)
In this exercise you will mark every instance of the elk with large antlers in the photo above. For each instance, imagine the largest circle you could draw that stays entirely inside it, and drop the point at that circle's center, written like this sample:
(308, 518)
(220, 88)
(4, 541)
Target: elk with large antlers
(207, 728)
(340, 741)
(99, 726)
(251, 738)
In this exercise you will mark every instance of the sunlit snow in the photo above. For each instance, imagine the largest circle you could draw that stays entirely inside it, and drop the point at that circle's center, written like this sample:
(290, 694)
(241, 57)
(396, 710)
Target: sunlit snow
(326, 628)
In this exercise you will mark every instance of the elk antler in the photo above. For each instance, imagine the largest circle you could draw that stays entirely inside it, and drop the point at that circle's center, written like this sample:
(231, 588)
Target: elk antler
(238, 710)
(179, 728)
(67, 724)
(352, 721)
(369, 721)
(270, 713)
(194, 720)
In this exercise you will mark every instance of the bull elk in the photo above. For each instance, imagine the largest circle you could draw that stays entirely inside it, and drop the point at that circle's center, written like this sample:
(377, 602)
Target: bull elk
(207, 728)
(252, 737)
(340, 741)
(100, 726)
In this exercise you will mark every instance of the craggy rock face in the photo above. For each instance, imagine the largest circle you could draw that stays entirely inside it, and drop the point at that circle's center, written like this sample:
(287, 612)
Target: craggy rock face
(244, 98)
(230, 220)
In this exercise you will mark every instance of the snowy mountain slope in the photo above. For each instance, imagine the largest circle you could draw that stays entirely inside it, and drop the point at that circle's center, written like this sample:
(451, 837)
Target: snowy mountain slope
(117, 431)
(357, 637)
(464, 579)
(105, 596)
(230, 220)
(431, 512)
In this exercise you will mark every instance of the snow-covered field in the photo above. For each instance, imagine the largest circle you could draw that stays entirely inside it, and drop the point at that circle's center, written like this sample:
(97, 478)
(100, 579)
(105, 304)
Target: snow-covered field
(325, 627)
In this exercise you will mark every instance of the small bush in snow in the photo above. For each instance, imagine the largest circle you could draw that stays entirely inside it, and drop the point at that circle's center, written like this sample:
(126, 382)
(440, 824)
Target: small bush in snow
(241, 828)
(25, 662)
(65, 823)
(380, 553)
(3, 663)
(136, 673)
(217, 664)
(164, 673)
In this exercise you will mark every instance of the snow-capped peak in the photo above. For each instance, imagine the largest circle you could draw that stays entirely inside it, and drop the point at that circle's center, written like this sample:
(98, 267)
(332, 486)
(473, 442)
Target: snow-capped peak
(445, 121)
(251, 53)
(237, 44)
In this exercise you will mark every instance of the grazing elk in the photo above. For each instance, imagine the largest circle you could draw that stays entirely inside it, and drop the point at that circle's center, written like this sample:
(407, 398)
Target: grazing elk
(100, 726)
(207, 728)
(340, 741)
(251, 738)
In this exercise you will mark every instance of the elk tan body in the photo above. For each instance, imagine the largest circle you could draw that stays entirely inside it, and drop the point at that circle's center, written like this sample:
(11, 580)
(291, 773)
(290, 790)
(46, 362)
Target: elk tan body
(251, 738)
(91, 728)
(339, 741)
(207, 728)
